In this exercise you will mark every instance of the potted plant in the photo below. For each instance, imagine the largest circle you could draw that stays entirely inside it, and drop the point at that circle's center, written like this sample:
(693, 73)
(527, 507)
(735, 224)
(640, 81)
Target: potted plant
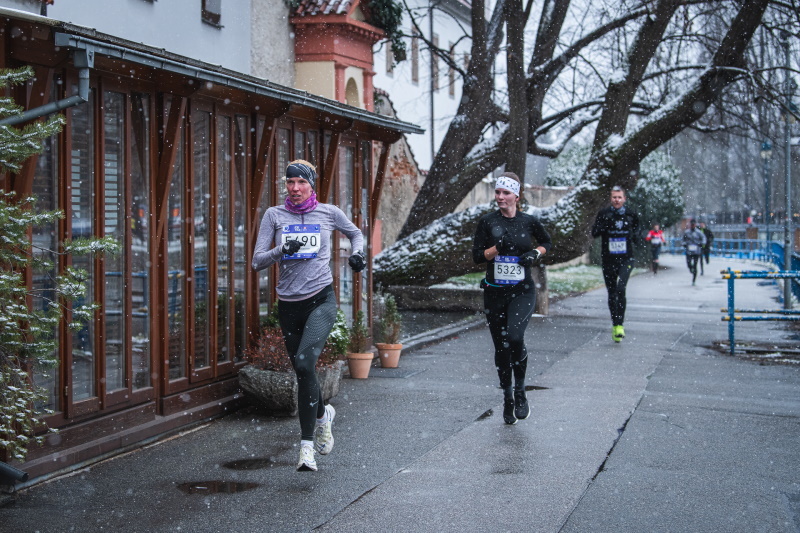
(269, 378)
(359, 358)
(389, 327)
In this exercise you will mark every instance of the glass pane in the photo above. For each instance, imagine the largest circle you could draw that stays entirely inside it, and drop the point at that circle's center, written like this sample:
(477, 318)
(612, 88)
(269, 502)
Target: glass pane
(239, 195)
(345, 200)
(299, 145)
(81, 217)
(263, 204)
(366, 173)
(140, 237)
(114, 207)
(201, 154)
(176, 275)
(283, 161)
(45, 240)
(223, 302)
(313, 149)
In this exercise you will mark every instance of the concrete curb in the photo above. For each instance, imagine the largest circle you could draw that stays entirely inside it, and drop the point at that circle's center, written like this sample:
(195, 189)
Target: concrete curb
(439, 334)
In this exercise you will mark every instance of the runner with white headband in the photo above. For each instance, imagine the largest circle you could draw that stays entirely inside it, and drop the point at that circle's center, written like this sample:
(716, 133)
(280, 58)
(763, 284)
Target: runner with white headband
(504, 240)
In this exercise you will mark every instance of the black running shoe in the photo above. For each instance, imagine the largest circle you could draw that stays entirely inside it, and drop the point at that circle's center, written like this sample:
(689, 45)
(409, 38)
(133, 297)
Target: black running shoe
(508, 411)
(521, 408)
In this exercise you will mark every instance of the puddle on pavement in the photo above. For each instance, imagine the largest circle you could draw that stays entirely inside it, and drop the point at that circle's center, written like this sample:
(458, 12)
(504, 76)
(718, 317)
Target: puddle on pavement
(215, 487)
(485, 415)
(529, 388)
(250, 464)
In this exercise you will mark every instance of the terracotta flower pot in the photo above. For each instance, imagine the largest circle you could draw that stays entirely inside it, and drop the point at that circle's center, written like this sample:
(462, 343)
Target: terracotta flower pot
(389, 354)
(359, 364)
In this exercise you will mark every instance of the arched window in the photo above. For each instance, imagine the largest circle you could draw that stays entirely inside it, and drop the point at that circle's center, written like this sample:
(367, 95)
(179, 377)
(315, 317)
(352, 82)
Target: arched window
(351, 95)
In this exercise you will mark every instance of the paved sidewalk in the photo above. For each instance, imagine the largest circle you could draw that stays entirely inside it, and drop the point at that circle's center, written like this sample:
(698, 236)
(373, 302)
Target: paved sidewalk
(658, 433)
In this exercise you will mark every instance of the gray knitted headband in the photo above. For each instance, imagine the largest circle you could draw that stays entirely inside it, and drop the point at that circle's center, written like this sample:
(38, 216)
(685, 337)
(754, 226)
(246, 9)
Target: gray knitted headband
(299, 170)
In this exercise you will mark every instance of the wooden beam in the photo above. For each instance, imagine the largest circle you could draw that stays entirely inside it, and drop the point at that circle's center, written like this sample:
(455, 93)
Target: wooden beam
(377, 188)
(331, 160)
(169, 149)
(260, 175)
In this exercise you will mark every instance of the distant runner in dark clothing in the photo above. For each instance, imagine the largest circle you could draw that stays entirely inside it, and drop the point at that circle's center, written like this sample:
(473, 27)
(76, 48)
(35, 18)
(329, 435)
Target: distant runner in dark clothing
(693, 242)
(618, 227)
(509, 242)
(709, 241)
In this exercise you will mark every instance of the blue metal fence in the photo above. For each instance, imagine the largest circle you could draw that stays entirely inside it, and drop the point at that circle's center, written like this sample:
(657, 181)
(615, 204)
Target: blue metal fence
(754, 249)
(734, 315)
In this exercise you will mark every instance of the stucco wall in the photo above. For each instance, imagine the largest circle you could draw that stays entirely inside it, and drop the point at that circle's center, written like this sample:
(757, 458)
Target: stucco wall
(316, 77)
(272, 52)
(357, 75)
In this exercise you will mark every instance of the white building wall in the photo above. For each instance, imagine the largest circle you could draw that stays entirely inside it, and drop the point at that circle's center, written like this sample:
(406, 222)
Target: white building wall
(175, 25)
(412, 100)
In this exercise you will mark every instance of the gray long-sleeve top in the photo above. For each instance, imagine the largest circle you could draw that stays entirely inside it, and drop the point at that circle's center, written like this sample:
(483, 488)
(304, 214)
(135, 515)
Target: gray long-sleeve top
(693, 241)
(302, 278)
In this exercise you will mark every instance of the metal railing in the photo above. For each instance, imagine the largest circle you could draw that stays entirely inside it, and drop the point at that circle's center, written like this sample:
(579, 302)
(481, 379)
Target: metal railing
(734, 315)
(753, 249)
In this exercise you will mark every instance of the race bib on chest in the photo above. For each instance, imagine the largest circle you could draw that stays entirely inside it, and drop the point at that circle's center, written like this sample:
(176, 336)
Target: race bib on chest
(507, 270)
(308, 235)
(656, 240)
(617, 246)
(692, 248)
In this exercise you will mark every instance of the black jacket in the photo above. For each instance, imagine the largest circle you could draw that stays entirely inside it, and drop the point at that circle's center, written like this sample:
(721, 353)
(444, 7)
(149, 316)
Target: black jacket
(619, 232)
(523, 229)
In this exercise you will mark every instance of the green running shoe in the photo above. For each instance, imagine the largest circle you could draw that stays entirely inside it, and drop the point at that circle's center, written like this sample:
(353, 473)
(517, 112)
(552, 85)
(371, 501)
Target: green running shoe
(617, 333)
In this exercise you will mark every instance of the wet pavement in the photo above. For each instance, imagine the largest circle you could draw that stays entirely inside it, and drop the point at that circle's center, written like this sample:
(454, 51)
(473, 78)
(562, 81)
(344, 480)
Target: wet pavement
(661, 432)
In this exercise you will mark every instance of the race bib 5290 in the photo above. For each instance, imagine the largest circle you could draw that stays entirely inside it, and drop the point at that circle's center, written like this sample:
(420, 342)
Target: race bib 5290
(307, 234)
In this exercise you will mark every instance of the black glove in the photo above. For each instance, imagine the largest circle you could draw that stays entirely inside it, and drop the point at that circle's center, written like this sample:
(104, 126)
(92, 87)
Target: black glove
(291, 247)
(506, 244)
(357, 261)
(530, 258)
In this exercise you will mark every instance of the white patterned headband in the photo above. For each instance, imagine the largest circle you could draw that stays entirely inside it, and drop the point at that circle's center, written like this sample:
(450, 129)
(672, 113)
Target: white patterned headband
(504, 182)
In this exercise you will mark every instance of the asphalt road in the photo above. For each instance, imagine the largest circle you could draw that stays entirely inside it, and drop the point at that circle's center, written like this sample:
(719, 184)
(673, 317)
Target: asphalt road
(657, 433)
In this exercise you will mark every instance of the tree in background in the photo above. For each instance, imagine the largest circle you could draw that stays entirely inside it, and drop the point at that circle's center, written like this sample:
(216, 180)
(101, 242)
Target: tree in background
(629, 75)
(27, 341)
(657, 197)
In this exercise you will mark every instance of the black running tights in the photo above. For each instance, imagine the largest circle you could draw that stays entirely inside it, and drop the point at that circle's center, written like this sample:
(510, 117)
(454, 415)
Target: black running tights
(615, 275)
(691, 262)
(306, 325)
(508, 314)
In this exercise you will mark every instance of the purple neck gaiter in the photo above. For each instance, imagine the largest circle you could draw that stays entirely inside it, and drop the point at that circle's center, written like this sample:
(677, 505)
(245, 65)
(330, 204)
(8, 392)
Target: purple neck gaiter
(306, 207)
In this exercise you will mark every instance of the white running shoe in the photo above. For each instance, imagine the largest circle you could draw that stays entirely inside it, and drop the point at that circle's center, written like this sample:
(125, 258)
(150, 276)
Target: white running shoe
(323, 437)
(307, 461)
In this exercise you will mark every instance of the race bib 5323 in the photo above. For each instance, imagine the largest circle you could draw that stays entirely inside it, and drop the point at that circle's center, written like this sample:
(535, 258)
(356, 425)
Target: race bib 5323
(507, 270)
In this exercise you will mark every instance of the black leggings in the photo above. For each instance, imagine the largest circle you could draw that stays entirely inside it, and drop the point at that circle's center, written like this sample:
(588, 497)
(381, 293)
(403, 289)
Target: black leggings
(615, 275)
(306, 325)
(691, 262)
(508, 313)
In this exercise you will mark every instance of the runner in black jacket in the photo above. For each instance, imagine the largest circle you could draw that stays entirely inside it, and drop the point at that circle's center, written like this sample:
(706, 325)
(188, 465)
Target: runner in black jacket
(619, 228)
(504, 240)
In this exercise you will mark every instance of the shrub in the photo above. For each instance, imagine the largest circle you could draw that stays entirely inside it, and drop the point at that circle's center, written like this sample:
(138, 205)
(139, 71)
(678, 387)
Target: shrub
(269, 351)
(359, 335)
(390, 322)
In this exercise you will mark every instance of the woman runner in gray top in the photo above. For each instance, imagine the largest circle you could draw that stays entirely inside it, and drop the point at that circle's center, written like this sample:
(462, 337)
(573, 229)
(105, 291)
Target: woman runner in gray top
(297, 235)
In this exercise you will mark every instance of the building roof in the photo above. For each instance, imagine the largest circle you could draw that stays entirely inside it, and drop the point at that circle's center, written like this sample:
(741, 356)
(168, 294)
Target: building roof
(323, 7)
(72, 36)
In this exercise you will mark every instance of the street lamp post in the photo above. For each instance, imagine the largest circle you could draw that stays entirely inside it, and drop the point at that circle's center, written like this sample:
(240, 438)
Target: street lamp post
(788, 247)
(766, 156)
